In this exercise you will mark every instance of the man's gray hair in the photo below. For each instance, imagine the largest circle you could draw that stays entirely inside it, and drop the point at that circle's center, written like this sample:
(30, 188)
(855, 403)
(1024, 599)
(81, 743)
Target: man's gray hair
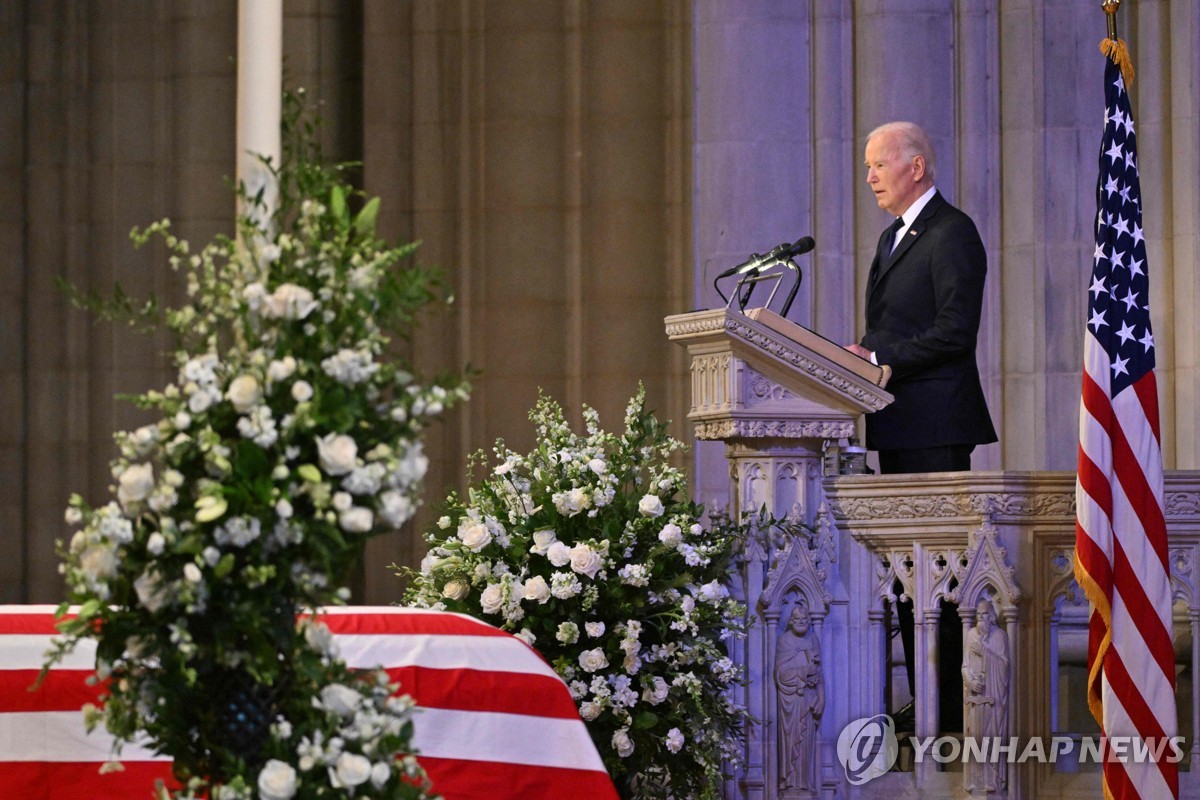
(911, 140)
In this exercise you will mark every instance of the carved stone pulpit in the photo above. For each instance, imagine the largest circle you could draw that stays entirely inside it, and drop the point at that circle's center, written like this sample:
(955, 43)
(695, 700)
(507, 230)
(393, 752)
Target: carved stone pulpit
(774, 392)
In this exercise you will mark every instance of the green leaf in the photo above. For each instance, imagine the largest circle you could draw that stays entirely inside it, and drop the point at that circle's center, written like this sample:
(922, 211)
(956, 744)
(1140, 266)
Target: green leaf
(337, 204)
(364, 223)
(645, 720)
(224, 566)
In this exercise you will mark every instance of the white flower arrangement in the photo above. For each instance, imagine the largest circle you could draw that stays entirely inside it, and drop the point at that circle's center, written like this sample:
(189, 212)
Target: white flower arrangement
(589, 551)
(286, 440)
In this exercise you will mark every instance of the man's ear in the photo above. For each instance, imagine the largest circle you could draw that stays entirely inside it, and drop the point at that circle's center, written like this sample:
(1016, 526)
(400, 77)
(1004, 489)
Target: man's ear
(918, 168)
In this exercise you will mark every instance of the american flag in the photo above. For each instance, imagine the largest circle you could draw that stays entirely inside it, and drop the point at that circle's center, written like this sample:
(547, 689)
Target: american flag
(1120, 533)
(493, 719)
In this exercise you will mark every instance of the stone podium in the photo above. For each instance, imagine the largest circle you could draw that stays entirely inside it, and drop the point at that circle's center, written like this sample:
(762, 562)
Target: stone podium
(774, 392)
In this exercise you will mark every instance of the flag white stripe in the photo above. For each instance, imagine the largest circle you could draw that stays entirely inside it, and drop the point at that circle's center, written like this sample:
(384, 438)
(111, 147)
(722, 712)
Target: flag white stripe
(28, 651)
(504, 738)
(491, 653)
(60, 736)
(1147, 778)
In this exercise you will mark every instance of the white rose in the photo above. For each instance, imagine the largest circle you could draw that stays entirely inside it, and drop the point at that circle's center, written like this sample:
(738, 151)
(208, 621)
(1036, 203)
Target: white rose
(456, 589)
(340, 699)
(290, 302)
(284, 509)
(656, 692)
(650, 506)
(492, 598)
(183, 420)
(590, 710)
(244, 392)
(155, 544)
(302, 391)
(356, 519)
(150, 591)
(713, 592)
(320, 638)
(592, 660)
(598, 466)
(537, 589)
(281, 369)
(192, 574)
(352, 770)
(135, 483)
(622, 743)
(571, 502)
(670, 535)
(255, 294)
(341, 501)
(559, 554)
(594, 629)
(277, 781)
(99, 561)
(474, 535)
(542, 541)
(380, 773)
(337, 453)
(674, 740)
(585, 560)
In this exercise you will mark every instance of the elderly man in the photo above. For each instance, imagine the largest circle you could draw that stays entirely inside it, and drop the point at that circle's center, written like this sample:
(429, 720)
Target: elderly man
(924, 297)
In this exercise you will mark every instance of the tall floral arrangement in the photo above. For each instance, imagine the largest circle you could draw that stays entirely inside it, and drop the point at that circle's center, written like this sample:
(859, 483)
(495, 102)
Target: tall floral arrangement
(589, 550)
(289, 436)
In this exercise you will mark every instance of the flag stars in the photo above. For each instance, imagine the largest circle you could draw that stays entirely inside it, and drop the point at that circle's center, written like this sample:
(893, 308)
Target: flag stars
(1119, 368)
(1118, 260)
(1126, 333)
(1135, 268)
(1121, 226)
(1147, 341)
(1114, 153)
(1130, 159)
(1130, 299)
(1097, 321)
(1119, 83)
(1111, 187)
(1124, 192)
(1098, 255)
(1137, 234)
(1098, 287)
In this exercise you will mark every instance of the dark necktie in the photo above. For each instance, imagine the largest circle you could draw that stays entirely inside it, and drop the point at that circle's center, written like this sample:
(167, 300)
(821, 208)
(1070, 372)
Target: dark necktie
(889, 243)
(885, 250)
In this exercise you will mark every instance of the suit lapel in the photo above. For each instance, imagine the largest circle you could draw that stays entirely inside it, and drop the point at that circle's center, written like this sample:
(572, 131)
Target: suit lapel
(914, 233)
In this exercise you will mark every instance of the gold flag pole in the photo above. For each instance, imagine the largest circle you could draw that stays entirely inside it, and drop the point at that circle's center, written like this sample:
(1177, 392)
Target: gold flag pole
(1115, 48)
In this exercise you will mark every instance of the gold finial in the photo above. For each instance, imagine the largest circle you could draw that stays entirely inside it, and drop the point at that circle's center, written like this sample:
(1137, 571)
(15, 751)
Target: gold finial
(1114, 48)
(1110, 9)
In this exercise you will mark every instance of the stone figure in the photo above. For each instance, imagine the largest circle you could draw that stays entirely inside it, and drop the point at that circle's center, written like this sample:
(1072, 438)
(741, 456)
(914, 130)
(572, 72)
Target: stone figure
(801, 690)
(985, 673)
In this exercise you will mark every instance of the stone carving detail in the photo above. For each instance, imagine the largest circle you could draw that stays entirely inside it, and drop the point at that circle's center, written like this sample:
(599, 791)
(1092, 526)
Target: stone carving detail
(1053, 505)
(772, 429)
(895, 566)
(987, 568)
(800, 688)
(985, 674)
(1062, 582)
(1181, 504)
(862, 393)
(764, 388)
(1183, 577)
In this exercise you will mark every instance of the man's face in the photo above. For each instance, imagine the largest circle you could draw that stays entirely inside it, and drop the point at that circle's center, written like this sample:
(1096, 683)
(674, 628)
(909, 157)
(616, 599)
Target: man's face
(895, 180)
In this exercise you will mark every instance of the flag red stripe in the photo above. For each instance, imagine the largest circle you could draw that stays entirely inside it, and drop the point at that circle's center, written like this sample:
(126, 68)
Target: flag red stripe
(61, 690)
(455, 779)
(476, 690)
(403, 622)
(1139, 607)
(39, 780)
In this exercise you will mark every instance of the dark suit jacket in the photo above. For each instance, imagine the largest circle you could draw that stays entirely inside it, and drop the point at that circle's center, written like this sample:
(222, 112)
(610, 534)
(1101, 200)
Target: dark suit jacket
(923, 307)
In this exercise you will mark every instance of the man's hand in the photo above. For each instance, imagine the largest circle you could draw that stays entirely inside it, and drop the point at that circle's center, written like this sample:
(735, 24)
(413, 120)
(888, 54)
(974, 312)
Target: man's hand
(859, 351)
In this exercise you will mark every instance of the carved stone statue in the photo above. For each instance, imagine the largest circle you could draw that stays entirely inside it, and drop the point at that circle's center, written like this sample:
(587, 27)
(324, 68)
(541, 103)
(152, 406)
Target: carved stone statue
(801, 690)
(985, 673)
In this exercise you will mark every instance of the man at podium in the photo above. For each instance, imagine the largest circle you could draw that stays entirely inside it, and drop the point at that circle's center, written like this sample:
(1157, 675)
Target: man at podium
(924, 298)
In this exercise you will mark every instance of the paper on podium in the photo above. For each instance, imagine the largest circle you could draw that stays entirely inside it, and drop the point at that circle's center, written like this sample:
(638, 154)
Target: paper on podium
(817, 343)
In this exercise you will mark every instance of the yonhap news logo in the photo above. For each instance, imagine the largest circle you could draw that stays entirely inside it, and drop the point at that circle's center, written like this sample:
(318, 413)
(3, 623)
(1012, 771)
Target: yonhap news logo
(868, 748)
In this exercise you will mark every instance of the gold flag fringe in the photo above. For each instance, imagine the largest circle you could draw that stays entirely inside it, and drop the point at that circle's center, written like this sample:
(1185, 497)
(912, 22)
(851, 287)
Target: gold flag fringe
(1116, 50)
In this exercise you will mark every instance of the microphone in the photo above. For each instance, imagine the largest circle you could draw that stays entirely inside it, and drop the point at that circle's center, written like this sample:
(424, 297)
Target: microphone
(782, 252)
